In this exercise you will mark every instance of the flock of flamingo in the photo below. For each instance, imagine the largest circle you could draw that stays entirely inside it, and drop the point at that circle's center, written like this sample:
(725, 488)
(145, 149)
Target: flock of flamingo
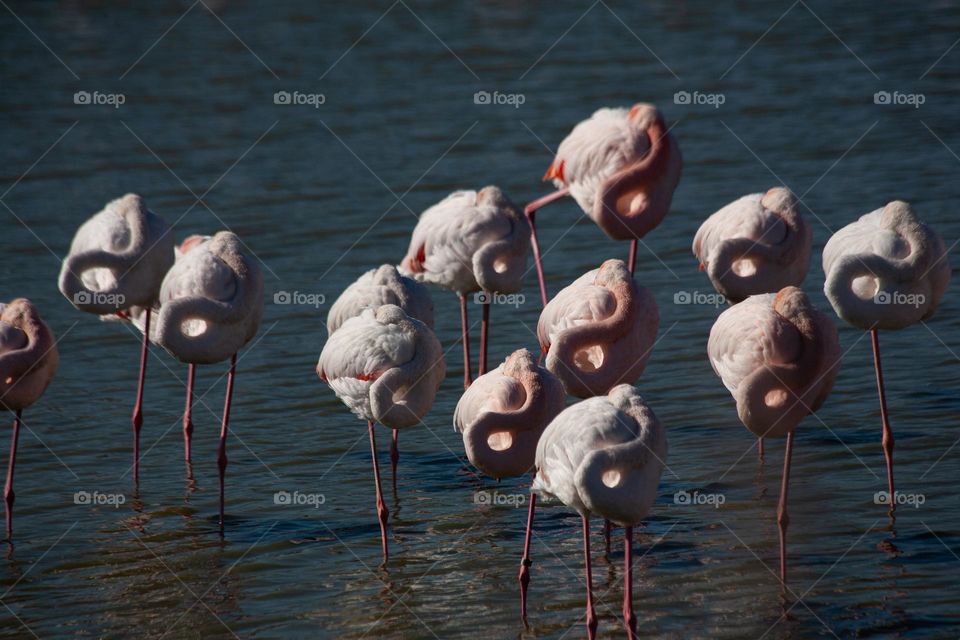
(773, 350)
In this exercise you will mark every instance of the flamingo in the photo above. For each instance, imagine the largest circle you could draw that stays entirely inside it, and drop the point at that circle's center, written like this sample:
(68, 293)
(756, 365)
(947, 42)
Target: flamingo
(471, 241)
(211, 302)
(888, 270)
(621, 166)
(28, 362)
(115, 266)
(375, 288)
(599, 331)
(757, 244)
(501, 417)
(778, 356)
(386, 367)
(604, 456)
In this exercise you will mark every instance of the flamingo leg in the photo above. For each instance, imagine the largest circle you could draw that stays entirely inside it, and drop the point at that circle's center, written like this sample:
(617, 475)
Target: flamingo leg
(628, 616)
(382, 512)
(8, 494)
(530, 211)
(138, 407)
(484, 328)
(633, 255)
(591, 613)
(465, 330)
(760, 447)
(606, 534)
(188, 412)
(525, 562)
(783, 519)
(394, 458)
(887, 430)
(222, 450)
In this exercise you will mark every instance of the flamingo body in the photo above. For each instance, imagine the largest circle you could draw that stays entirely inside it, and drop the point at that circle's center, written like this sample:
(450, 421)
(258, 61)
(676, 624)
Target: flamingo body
(504, 412)
(28, 355)
(756, 244)
(376, 288)
(599, 331)
(887, 270)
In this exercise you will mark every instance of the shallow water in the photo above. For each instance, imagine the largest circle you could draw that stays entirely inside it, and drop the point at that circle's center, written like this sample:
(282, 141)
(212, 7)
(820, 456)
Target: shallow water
(322, 194)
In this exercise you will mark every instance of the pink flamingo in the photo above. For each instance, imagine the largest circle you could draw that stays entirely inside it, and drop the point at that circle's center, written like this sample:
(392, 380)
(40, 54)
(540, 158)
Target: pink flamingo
(117, 260)
(888, 270)
(471, 241)
(778, 356)
(604, 456)
(28, 362)
(622, 167)
(501, 417)
(386, 367)
(375, 288)
(757, 244)
(211, 302)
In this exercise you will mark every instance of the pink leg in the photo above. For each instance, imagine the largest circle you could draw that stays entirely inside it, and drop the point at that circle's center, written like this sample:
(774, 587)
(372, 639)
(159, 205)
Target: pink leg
(138, 407)
(530, 210)
(606, 534)
(525, 562)
(484, 328)
(887, 431)
(382, 512)
(783, 519)
(222, 450)
(629, 618)
(760, 448)
(465, 330)
(591, 614)
(188, 412)
(8, 493)
(633, 255)
(394, 458)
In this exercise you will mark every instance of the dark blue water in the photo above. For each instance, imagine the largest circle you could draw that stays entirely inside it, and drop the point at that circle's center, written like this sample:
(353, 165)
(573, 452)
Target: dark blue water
(322, 193)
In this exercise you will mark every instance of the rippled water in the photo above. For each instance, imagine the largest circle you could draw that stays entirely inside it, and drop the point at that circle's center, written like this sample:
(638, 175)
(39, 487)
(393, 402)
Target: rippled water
(322, 194)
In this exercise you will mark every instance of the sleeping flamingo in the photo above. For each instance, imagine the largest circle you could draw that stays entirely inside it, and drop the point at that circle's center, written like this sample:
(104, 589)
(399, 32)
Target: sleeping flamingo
(621, 166)
(604, 456)
(757, 244)
(599, 331)
(501, 417)
(471, 241)
(887, 270)
(375, 288)
(778, 356)
(117, 260)
(386, 367)
(211, 302)
(28, 362)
